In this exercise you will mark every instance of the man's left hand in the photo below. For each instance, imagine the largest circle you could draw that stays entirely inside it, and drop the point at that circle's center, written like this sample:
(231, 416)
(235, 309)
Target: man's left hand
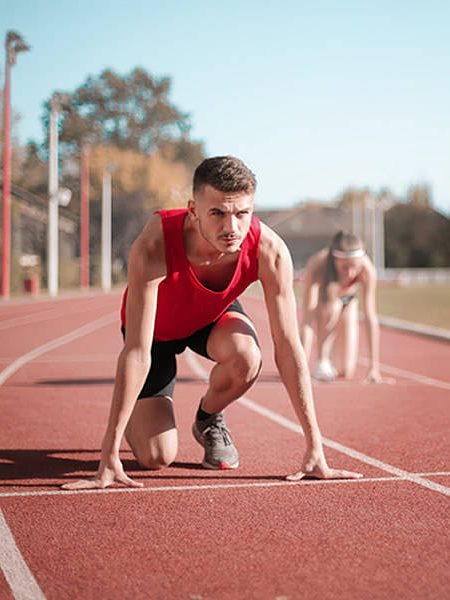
(316, 466)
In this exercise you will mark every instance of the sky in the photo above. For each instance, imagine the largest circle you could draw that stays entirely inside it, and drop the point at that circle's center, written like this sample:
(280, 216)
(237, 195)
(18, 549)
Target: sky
(314, 96)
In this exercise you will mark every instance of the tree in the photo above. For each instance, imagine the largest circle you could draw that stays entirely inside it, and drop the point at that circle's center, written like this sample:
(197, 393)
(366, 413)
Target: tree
(416, 236)
(130, 112)
(419, 194)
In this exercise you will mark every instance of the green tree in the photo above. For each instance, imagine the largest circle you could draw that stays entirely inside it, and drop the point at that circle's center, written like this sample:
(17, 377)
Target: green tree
(419, 194)
(416, 236)
(133, 111)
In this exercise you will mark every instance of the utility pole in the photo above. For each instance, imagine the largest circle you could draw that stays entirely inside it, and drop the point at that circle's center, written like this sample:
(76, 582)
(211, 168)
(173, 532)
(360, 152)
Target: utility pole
(13, 45)
(106, 229)
(52, 233)
(56, 196)
(84, 217)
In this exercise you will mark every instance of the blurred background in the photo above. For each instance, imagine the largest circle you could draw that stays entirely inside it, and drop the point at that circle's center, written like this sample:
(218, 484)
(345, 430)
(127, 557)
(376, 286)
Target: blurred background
(340, 108)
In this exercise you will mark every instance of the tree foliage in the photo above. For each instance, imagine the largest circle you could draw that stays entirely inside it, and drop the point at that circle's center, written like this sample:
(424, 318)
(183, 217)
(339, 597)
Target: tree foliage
(130, 112)
(416, 236)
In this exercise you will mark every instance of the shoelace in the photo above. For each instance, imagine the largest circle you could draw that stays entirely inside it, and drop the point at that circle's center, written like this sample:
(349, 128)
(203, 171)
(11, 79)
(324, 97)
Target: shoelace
(217, 433)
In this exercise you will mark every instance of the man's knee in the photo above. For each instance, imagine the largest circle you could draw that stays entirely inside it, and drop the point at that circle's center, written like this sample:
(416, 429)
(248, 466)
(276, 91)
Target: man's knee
(156, 456)
(247, 363)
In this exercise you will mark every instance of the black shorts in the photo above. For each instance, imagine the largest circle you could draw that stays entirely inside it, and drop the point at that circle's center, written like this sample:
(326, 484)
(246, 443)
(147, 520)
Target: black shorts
(162, 375)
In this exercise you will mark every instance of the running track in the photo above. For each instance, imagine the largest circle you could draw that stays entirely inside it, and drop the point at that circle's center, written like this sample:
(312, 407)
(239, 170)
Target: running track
(202, 535)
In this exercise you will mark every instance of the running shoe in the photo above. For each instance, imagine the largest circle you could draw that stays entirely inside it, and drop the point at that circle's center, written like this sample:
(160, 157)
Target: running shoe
(213, 435)
(324, 371)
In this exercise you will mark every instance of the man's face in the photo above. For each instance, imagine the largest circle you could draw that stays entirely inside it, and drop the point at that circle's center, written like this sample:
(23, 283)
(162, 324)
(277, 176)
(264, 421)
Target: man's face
(348, 268)
(223, 218)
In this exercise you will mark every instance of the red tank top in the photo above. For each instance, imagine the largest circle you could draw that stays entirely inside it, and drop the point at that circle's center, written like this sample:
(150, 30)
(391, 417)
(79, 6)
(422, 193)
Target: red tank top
(185, 305)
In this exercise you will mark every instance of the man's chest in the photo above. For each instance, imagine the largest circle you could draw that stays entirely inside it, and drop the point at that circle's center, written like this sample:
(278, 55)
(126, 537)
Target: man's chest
(216, 277)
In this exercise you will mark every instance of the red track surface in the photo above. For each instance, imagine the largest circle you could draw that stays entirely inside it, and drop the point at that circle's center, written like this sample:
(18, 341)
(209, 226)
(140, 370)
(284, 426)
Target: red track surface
(202, 535)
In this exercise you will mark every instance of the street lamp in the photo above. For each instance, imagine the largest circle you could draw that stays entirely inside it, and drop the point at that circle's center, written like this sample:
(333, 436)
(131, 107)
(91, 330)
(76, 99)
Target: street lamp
(106, 228)
(56, 196)
(13, 45)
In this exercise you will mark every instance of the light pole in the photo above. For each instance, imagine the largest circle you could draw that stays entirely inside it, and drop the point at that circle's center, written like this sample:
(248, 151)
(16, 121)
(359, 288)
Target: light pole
(56, 196)
(385, 202)
(84, 216)
(13, 44)
(106, 229)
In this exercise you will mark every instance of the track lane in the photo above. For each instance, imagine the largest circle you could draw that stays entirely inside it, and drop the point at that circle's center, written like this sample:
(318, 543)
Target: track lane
(380, 539)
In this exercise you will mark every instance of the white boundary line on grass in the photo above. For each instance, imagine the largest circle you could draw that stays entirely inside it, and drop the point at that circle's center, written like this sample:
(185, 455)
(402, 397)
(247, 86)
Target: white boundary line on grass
(17, 574)
(292, 426)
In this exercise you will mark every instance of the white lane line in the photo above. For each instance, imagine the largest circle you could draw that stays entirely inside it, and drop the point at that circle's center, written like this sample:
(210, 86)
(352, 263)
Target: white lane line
(54, 312)
(206, 486)
(292, 426)
(71, 358)
(392, 370)
(210, 486)
(69, 337)
(445, 385)
(43, 315)
(433, 474)
(19, 577)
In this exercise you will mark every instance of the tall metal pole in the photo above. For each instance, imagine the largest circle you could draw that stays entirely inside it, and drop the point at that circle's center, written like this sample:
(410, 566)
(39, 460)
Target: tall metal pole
(373, 233)
(84, 218)
(367, 222)
(13, 45)
(52, 236)
(106, 231)
(380, 241)
(6, 240)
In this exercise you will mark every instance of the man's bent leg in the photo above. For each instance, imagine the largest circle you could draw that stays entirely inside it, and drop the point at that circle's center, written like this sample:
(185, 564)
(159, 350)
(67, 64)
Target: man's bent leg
(232, 345)
(151, 432)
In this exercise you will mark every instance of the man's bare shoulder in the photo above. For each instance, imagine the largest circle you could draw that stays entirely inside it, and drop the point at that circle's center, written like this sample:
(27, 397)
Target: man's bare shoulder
(151, 237)
(270, 244)
(148, 248)
(275, 261)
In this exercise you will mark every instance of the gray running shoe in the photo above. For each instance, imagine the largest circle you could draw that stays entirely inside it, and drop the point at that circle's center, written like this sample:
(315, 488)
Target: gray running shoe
(213, 435)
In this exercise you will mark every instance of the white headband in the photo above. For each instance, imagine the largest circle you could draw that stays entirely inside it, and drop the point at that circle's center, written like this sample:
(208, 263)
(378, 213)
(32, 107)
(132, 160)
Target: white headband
(349, 253)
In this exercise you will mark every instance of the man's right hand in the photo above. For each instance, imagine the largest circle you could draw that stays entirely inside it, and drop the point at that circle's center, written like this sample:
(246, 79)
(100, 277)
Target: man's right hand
(109, 472)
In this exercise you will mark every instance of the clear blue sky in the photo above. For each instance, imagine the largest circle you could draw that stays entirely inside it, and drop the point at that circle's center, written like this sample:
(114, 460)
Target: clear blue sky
(314, 96)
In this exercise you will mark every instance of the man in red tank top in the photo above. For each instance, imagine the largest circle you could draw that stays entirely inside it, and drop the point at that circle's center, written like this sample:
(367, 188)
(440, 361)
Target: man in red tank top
(185, 272)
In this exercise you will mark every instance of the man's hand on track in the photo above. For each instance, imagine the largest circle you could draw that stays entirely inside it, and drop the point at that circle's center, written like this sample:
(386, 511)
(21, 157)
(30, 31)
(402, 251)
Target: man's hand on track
(107, 475)
(316, 466)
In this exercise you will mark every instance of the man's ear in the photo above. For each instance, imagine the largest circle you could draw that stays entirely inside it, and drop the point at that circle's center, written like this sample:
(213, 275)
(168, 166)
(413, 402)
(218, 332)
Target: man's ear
(192, 209)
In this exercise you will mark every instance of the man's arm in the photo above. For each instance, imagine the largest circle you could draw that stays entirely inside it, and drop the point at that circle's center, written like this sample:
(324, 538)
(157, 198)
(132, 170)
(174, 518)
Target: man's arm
(276, 276)
(146, 269)
(372, 324)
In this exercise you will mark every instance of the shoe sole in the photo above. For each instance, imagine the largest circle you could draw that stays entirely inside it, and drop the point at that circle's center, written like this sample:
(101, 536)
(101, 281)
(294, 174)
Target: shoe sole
(222, 466)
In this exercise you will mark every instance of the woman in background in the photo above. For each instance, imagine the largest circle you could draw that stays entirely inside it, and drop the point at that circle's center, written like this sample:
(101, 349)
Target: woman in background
(330, 306)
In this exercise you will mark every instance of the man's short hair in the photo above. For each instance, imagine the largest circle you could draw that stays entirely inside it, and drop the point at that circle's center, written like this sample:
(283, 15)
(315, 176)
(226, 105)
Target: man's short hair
(226, 174)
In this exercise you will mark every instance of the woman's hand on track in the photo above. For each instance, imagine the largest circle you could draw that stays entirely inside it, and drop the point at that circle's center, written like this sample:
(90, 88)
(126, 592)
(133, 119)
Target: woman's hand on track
(315, 465)
(373, 376)
(109, 473)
